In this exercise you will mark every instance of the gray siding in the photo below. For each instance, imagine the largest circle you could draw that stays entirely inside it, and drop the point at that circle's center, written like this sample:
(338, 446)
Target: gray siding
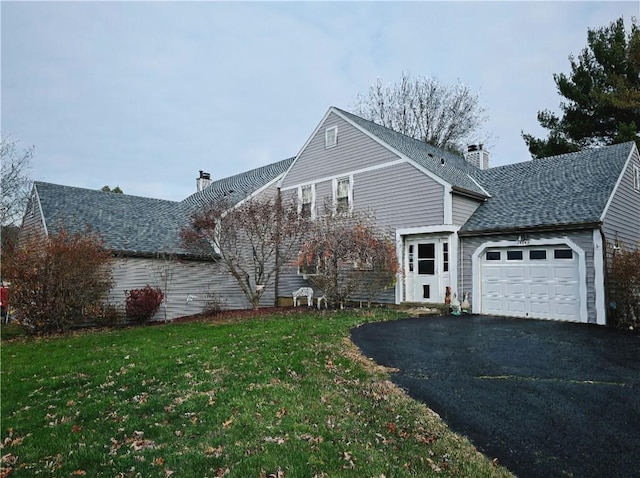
(622, 221)
(354, 150)
(399, 196)
(584, 239)
(32, 222)
(463, 208)
(185, 278)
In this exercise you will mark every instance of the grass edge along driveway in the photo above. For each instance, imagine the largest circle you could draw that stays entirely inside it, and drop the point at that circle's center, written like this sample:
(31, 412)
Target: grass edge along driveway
(284, 395)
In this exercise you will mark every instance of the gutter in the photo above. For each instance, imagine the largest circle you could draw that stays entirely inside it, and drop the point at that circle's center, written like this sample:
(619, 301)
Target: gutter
(578, 226)
(470, 194)
(160, 255)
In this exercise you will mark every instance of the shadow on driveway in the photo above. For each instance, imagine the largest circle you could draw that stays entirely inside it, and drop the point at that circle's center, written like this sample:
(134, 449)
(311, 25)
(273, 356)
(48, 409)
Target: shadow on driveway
(545, 398)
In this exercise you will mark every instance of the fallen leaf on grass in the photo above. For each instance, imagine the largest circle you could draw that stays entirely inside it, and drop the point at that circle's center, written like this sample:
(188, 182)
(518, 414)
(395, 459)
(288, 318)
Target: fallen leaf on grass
(217, 452)
(349, 459)
(276, 474)
(79, 473)
(227, 423)
(9, 459)
(277, 440)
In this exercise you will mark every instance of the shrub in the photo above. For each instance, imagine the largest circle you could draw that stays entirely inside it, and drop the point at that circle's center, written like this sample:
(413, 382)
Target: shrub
(55, 279)
(214, 304)
(142, 304)
(110, 315)
(624, 287)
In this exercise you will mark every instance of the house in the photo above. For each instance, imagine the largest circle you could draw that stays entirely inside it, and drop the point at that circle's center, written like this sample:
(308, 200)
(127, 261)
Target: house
(526, 240)
(144, 236)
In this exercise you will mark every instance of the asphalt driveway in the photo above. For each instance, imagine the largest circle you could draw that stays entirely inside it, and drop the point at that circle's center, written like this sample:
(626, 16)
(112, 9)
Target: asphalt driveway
(545, 398)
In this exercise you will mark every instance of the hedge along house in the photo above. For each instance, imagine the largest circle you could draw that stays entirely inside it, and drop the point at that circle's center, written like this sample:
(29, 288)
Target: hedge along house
(144, 236)
(525, 240)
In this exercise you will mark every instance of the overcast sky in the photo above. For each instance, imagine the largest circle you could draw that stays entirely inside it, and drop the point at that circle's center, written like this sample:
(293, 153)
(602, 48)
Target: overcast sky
(145, 94)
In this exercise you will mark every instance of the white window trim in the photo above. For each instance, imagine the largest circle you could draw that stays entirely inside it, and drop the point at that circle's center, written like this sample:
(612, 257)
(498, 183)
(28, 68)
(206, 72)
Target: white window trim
(331, 131)
(335, 192)
(313, 199)
(636, 178)
(305, 275)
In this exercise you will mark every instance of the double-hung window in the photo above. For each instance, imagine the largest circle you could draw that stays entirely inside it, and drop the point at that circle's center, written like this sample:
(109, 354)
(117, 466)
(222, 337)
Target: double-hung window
(636, 178)
(307, 200)
(342, 195)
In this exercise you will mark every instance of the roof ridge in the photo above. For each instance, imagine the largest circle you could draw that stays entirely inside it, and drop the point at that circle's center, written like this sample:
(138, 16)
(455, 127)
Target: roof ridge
(98, 191)
(417, 141)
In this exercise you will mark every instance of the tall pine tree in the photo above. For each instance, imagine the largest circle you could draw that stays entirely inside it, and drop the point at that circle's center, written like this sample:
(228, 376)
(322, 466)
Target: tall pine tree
(602, 95)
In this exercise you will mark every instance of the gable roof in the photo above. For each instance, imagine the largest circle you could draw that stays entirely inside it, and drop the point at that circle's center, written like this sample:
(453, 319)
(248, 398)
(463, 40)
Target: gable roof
(128, 224)
(563, 190)
(236, 188)
(135, 225)
(449, 166)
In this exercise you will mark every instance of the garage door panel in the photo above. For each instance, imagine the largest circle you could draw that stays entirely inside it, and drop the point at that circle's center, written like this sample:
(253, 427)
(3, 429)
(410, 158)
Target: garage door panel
(515, 289)
(493, 288)
(492, 273)
(493, 305)
(539, 272)
(514, 272)
(566, 309)
(516, 307)
(539, 287)
(564, 272)
(540, 309)
(564, 290)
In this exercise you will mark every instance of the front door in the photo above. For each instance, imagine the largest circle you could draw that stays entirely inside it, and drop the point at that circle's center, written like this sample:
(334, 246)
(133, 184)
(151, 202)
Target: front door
(427, 266)
(426, 284)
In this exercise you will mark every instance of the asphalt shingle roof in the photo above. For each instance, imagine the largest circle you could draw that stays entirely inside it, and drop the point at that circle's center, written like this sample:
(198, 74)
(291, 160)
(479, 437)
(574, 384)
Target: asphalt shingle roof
(560, 190)
(455, 170)
(131, 224)
(140, 225)
(236, 188)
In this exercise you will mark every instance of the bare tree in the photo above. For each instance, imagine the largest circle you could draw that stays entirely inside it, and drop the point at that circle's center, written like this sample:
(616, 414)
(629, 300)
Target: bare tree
(253, 240)
(15, 180)
(445, 116)
(347, 255)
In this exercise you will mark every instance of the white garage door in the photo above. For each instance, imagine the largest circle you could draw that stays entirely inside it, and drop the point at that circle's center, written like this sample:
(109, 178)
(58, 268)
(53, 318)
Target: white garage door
(537, 282)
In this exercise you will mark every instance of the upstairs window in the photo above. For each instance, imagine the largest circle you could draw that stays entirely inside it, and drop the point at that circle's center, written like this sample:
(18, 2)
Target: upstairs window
(636, 178)
(331, 137)
(342, 195)
(306, 200)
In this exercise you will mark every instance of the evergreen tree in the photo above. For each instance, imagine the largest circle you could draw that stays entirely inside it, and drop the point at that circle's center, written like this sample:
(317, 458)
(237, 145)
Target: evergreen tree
(602, 95)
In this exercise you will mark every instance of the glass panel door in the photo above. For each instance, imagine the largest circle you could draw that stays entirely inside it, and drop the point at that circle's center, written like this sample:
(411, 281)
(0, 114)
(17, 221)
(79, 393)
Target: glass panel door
(427, 259)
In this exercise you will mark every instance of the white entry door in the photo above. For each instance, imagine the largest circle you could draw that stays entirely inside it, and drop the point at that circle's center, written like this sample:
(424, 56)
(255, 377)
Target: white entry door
(427, 270)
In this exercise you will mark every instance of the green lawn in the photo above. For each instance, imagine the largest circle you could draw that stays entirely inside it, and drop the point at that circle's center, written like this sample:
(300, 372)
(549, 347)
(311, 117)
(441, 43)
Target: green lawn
(282, 396)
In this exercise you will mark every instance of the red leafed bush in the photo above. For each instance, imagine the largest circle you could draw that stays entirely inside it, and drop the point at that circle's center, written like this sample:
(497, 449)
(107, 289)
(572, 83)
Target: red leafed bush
(142, 304)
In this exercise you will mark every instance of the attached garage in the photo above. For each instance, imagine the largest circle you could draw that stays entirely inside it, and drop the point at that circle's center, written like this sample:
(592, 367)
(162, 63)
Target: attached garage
(531, 281)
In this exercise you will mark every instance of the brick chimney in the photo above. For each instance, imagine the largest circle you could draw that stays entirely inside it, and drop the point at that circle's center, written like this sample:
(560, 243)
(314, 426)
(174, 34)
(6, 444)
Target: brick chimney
(203, 181)
(477, 156)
